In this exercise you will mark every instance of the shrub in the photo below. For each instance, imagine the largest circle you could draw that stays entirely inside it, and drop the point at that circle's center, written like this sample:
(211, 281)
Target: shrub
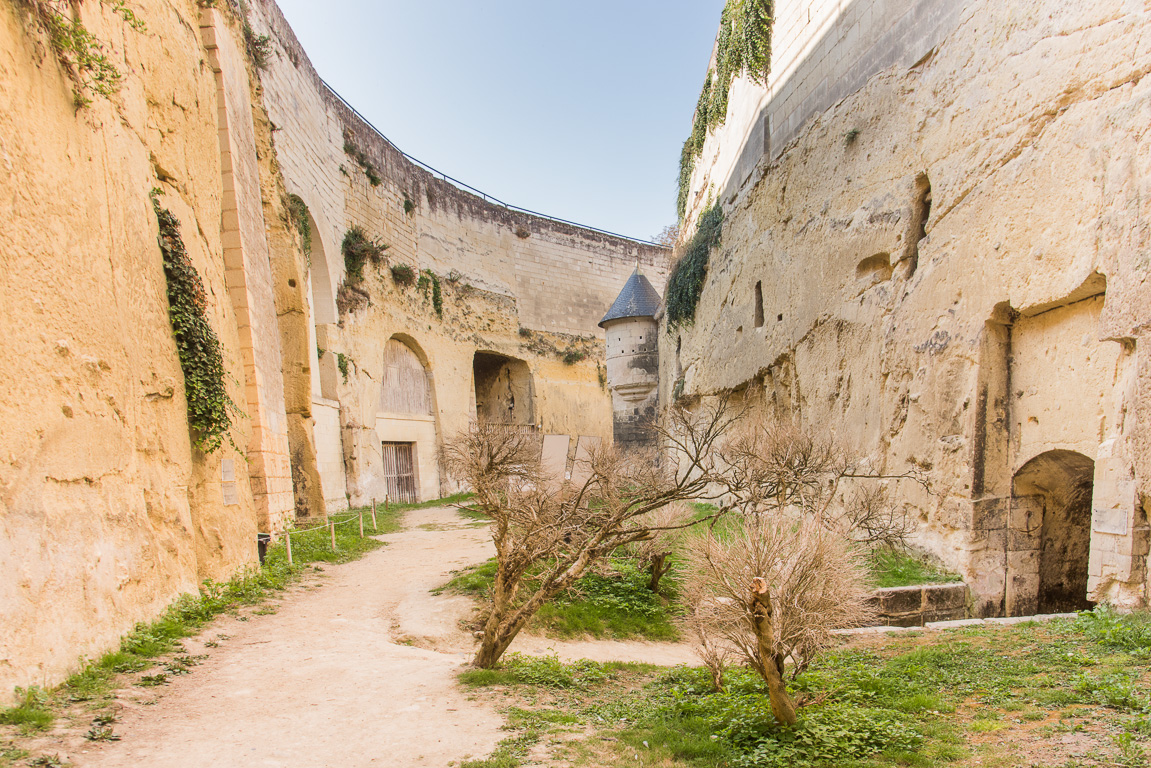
(403, 274)
(359, 250)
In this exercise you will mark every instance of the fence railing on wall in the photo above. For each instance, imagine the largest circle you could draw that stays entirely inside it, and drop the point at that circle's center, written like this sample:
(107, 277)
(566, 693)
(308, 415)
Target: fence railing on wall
(469, 188)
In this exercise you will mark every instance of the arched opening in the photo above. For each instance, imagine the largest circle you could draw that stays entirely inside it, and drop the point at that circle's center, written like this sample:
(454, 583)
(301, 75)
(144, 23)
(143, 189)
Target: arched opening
(1050, 532)
(406, 423)
(758, 304)
(503, 390)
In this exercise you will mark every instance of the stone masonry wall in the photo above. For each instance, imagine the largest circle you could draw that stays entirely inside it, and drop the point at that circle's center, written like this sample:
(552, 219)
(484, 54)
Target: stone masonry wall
(954, 264)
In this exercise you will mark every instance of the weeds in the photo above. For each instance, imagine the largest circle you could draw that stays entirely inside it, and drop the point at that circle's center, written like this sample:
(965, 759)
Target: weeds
(31, 712)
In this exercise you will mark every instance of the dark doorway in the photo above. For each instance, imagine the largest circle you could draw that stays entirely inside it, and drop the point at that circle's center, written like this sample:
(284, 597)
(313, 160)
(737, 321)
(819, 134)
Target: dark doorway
(400, 472)
(1060, 484)
(503, 390)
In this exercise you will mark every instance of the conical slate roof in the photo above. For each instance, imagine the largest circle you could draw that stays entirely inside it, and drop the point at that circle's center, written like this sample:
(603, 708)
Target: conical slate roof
(637, 299)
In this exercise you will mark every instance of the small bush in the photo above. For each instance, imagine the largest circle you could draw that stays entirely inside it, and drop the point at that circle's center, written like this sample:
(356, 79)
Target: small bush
(359, 250)
(573, 356)
(403, 275)
(298, 215)
(362, 160)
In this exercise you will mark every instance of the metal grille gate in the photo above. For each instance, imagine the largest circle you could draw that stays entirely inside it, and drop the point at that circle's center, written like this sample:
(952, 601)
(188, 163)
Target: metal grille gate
(400, 472)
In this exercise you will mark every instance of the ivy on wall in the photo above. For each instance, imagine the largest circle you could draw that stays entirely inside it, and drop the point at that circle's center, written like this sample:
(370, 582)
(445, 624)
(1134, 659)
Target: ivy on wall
(429, 282)
(210, 408)
(298, 214)
(685, 285)
(743, 45)
(82, 55)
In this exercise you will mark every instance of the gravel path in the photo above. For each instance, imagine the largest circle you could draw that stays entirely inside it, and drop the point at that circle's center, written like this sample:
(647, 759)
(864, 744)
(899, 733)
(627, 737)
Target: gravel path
(356, 668)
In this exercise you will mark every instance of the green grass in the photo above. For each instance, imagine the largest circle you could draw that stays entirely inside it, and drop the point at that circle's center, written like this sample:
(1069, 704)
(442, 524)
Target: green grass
(617, 605)
(967, 697)
(31, 712)
(899, 568)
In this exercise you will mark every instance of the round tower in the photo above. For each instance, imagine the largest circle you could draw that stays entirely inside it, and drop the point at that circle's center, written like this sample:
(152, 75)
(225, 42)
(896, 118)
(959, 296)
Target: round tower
(633, 362)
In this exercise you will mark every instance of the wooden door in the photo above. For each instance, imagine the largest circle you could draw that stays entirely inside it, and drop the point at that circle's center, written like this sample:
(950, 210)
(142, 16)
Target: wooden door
(400, 472)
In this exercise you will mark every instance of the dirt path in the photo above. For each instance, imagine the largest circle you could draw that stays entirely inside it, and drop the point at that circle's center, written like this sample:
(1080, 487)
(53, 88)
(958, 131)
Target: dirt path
(356, 668)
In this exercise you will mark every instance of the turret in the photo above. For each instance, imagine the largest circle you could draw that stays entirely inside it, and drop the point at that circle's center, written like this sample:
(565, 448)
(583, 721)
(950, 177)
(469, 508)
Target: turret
(633, 362)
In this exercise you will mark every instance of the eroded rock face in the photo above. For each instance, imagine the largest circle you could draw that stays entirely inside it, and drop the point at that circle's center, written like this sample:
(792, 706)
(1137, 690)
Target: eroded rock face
(961, 287)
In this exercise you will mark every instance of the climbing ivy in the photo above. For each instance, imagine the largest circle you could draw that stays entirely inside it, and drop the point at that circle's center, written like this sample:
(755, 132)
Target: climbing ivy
(428, 280)
(210, 408)
(298, 212)
(81, 54)
(687, 276)
(743, 45)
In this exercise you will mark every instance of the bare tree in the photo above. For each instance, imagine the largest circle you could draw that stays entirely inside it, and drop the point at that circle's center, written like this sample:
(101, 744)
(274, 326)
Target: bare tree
(771, 589)
(772, 464)
(557, 535)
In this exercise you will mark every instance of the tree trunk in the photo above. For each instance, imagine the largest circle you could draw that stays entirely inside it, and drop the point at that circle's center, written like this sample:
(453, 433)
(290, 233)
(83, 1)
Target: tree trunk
(781, 704)
(657, 571)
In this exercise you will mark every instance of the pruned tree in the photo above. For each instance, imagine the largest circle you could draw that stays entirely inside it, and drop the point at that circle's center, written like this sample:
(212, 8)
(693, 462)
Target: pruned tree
(770, 589)
(555, 535)
(654, 554)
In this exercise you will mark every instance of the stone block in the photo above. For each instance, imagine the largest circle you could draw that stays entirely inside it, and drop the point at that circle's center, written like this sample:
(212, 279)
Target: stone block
(955, 624)
(989, 514)
(899, 600)
(947, 614)
(940, 597)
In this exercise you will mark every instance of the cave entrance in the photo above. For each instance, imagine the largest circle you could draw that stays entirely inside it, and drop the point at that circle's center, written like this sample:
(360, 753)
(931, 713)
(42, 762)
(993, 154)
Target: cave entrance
(503, 390)
(1049, 534)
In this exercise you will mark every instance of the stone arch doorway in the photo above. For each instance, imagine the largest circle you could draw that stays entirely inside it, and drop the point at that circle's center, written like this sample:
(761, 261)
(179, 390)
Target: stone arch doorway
(503, 390)
(1049, 534)
(406, 422)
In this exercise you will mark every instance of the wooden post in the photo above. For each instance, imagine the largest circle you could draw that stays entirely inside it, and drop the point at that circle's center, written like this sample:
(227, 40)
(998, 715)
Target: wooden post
(374, 526)
(288, 544)
(332, 528)
(361, 522)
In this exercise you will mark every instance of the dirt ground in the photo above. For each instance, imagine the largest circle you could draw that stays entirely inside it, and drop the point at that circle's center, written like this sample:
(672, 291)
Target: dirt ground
(356, 667)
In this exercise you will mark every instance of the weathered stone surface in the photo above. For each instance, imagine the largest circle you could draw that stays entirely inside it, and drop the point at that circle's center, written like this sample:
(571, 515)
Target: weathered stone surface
(1004, 189)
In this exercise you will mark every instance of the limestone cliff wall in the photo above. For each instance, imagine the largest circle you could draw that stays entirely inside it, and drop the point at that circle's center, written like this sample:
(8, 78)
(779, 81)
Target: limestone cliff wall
(954, 266)
(106, 510)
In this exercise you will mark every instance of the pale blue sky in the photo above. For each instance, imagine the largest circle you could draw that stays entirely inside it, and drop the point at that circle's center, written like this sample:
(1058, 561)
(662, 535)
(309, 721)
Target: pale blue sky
(575, 109)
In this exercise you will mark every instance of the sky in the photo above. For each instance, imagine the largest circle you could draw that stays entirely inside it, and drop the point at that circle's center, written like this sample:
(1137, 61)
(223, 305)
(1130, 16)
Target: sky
(575, 109)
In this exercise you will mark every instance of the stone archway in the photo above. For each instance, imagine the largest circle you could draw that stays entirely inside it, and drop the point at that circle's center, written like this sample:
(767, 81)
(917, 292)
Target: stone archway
(1049, 534)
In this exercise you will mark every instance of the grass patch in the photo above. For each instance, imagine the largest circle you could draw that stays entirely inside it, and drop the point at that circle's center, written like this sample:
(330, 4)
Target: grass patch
(899, 568)
(990, 695)
(616, 604)
(31, 712)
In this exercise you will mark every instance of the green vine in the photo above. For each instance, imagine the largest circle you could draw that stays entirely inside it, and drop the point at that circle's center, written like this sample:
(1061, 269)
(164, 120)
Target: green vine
(210, 408)
(358, 250)
(298, 212)
(81, 54)
(685, 285)
(428, 280)
(743, 45)
(342, 362)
